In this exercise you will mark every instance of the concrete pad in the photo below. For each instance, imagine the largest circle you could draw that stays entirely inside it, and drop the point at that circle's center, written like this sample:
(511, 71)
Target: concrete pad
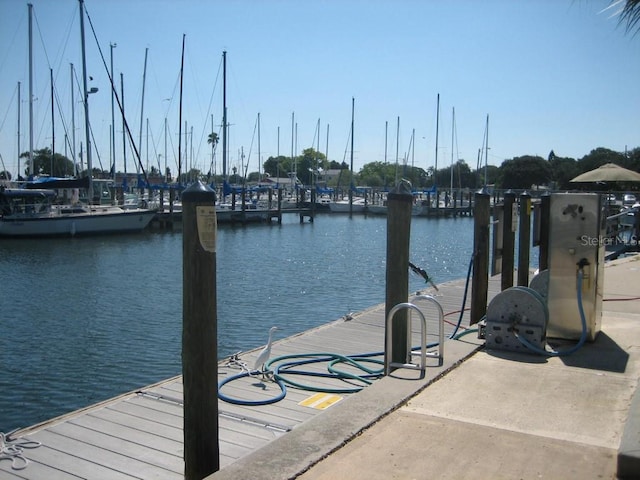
(621, 280)
(406, 445)
(543, 399)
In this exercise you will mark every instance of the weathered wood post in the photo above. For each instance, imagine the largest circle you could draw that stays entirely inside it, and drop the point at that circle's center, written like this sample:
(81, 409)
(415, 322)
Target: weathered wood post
(480, 279)
(545, 213)
(399, 202)
(524, 239)
(508, 240)
(199, 332)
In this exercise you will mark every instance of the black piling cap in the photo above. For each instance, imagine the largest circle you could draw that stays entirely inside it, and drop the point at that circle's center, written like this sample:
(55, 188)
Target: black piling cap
(198, 192)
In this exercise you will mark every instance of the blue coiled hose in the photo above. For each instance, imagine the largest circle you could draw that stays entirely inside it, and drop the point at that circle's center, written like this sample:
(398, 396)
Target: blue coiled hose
(583, 320)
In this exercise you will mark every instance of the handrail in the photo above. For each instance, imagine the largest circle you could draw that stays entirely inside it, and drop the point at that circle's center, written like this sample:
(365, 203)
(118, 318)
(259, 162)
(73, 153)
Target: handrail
(423, 337)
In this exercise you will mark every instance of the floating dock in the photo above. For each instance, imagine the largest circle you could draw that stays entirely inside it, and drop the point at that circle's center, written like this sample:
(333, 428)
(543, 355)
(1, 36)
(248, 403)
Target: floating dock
(140, 434)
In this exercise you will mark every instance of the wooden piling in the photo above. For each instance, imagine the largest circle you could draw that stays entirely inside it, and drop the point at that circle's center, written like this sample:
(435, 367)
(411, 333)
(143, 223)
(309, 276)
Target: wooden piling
(508, 240)
(199, 332)
(399, 203)
(545, 212)
(524, 239)
(480, 279)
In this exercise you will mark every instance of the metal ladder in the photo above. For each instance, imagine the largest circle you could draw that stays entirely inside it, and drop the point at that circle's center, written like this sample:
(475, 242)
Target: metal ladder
(388, 364)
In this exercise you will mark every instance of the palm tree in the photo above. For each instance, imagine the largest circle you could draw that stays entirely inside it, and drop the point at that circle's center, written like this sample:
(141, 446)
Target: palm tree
(213, 139)
(629, 13)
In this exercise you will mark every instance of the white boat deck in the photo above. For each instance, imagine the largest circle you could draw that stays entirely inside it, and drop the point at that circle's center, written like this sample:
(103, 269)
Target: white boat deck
(140, 434)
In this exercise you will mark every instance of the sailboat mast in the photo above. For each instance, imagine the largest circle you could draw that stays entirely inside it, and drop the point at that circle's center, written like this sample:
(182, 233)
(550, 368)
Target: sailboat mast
(180, 113)
(397, 147)
(326, 156)
(224, 116)
(30, 165)
(317, 152)
(453, 126)
(53, 123)
(19, 129)
(436, 159)
(124, 128)
(292, 140)
(413, 147)
(73, 121)
(259, 160)
(386, 135)
(113, 121)
(486, 154)
(353, 103)
(166, 177)
(86, 103)
(351, 185)
(144, 77)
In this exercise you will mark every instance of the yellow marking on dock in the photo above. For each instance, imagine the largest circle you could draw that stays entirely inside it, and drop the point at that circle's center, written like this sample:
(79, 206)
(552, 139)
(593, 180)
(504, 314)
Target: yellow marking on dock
(321, 401)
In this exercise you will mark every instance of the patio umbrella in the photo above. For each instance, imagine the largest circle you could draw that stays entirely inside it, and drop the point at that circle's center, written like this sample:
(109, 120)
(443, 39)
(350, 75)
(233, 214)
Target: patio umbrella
(608, 173)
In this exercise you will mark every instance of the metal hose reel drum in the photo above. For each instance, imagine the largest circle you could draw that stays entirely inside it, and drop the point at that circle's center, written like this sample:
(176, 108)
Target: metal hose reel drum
(516, 311)
(540, 283)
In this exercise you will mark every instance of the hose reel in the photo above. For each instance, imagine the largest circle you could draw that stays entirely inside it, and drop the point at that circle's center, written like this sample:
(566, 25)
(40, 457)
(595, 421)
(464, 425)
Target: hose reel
(516, 312)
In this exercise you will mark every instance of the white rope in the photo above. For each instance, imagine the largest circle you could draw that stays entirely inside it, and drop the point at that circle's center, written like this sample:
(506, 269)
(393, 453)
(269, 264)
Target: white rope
(235, 362)
(13, 450)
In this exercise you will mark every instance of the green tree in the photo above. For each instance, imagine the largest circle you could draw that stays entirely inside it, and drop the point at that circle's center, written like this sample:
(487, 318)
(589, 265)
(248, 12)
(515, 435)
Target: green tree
(308, 163)
(633, 159)
(277, 166)
(492, 174)
(378, 174)
(598, 157)
(563, 170)
(46, 164)
(523, 172)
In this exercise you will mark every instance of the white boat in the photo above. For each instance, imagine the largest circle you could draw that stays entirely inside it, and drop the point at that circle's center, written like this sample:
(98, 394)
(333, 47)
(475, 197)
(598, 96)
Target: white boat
(342, 206)
(32, 213)
(377, 209)
(381, 209)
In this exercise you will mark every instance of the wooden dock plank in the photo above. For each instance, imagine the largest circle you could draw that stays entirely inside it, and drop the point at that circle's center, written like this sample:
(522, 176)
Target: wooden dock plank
(70, 456)
(149, 440)
(116, 452)
(34, 470)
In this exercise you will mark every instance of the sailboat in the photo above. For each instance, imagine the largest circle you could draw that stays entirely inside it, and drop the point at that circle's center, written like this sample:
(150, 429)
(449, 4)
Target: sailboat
(350, 204)
(34, 212)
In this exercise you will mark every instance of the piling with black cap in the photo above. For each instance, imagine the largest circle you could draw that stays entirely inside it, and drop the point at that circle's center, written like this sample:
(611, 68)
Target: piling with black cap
(524, 239)
(480, 279)
(508, 239)
(399, 203)
(199, 332)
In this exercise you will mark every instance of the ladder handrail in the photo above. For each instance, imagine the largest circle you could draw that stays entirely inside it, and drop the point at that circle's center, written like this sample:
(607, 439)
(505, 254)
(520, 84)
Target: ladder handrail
(423, 336)
(389, 344)
(432, 299)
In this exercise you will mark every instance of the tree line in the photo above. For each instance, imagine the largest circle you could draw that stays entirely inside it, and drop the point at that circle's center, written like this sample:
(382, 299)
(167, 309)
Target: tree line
(311, 168)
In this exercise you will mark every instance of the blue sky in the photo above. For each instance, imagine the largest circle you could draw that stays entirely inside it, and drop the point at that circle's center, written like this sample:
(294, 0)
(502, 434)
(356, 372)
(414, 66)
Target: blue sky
(550, 74)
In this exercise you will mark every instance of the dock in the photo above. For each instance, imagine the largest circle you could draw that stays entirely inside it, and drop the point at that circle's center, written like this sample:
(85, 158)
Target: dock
(453, 408)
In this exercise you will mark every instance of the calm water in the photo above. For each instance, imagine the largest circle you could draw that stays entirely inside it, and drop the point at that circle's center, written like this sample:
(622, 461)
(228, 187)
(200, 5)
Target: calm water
(86, 319)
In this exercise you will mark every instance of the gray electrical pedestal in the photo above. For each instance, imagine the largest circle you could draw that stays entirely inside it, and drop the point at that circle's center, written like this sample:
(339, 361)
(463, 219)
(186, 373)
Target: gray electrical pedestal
(576, 235)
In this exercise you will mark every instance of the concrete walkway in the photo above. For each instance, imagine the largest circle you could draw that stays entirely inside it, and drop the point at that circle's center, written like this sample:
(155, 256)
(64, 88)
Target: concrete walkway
(493, 415)
(515, 416)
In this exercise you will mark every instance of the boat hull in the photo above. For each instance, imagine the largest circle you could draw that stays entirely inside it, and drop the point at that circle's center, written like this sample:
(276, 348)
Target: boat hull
(107, 222)
(344, 207)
